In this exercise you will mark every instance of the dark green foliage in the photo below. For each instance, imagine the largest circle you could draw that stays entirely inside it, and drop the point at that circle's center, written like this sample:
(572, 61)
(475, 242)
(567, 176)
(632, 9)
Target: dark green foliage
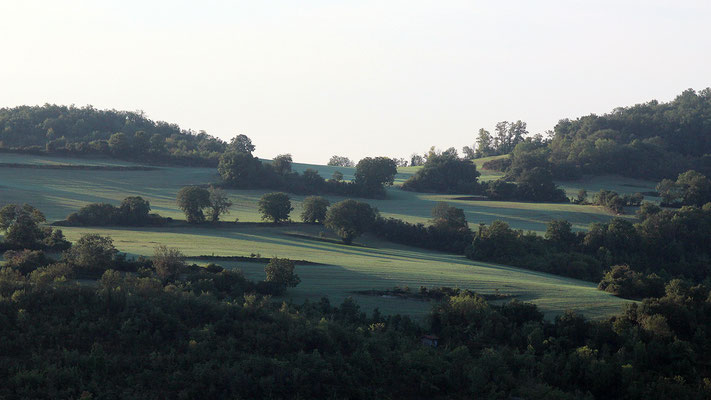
(559, 253)
(690, 189)
(649, 140)
(241, 144)
(219, 203)
(91, 252)
(506, 136)
(133, 211)
(280, 271)
(531, 171)
(419, 235)
(499, 164)
(315, 208)
(25, 261)
(581, 198)
(275, 206)
(192, 200)
(350, 219)
(239, 169)
(446, 217)
(243, 171)
(559, 232)
(235, 344)
(23, 230)
(282, 164)
(88, 131)
(372, 174)
(622, 281)
(340, 161)
(616, 203)
(444, 173)
(168, 262)
(22, 226)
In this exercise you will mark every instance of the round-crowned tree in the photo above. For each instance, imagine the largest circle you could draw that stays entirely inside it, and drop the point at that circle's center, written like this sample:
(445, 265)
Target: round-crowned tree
(275, 206)
(350, 219)
(315, 208)
(192, 200)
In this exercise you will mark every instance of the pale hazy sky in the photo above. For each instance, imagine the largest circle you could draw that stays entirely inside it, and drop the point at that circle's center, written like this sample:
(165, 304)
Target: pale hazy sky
(317, 78)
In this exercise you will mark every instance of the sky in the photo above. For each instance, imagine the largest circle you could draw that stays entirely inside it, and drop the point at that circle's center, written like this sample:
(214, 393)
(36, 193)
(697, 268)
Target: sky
(353, 78)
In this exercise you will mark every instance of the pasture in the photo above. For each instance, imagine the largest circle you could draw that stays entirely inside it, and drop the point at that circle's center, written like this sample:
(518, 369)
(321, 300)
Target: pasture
(341, 269)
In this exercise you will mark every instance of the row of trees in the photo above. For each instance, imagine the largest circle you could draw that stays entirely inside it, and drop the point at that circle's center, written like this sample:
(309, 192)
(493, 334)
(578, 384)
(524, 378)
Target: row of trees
(348, 218)
(238, 168)
(505, 138)
(193, 200)
(528, 176)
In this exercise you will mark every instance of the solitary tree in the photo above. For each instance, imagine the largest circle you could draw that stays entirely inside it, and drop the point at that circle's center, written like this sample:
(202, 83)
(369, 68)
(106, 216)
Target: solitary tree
(315, 208)
(373, 173)
(192, 200)
(219, 203)
(349, 219)
(168, 262)
(275, 206)
(281, 272)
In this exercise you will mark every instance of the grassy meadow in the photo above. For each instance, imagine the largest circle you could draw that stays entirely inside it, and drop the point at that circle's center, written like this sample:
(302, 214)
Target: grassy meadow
(341, 269)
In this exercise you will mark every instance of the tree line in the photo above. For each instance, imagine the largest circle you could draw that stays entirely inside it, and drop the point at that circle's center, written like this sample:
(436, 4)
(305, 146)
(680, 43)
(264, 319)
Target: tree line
(238, 168)
(651, 140)
(81, 131)
(528, 176)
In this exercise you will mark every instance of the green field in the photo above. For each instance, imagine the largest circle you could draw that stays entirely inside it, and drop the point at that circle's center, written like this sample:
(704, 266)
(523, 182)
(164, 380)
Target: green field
(344, 269)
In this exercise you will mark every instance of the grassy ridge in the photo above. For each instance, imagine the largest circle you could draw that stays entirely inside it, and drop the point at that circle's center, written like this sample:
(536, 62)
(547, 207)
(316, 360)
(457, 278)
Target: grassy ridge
(379, 265)
(375, 265)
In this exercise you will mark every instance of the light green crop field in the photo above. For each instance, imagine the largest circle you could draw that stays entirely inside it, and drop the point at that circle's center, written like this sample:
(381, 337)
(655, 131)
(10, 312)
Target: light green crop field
(345, 269)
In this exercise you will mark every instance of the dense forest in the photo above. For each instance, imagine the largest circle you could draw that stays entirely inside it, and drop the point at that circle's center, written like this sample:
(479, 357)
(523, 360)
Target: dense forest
(126, 135)
(650, 140)
(170, 331)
